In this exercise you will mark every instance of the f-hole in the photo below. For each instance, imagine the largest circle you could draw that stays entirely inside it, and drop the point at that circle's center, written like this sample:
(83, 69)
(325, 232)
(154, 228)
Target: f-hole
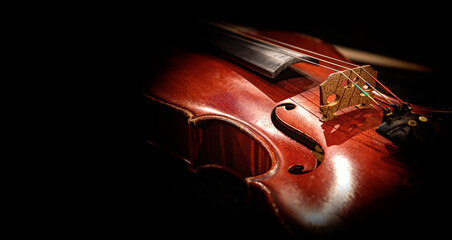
(299, 137)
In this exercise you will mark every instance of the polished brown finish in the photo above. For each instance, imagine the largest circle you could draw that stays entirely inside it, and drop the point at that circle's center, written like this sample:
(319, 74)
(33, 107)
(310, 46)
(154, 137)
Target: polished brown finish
(314, 175)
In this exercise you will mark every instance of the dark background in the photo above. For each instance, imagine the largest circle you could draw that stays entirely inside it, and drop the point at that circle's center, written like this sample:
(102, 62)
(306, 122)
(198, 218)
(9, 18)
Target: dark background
(157, 198)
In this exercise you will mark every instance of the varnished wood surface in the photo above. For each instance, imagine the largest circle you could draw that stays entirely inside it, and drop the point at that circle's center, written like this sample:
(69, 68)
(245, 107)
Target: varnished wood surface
(225, 111)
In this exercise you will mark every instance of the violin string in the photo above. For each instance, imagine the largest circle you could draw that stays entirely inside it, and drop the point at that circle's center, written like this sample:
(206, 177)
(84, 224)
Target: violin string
(335, 70)
(234, 29)
(365, 93)
(384, 87)
(335, 64)
(351, 81)
(370, 85)
(338, 60)
(309, 51)
(318, 64)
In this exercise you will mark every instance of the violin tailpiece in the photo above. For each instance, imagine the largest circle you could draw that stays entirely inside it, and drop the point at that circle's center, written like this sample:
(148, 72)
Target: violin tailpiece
(338, 92)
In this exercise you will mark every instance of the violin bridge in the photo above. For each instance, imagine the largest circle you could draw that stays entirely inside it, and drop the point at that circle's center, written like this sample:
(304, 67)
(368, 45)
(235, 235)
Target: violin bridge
(338, 91)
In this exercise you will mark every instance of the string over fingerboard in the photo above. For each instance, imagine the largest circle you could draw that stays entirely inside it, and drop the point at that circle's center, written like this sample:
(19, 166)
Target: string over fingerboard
(339, 91)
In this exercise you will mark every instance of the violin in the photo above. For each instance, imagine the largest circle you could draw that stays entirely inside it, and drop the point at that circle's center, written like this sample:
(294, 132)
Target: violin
(321, 144)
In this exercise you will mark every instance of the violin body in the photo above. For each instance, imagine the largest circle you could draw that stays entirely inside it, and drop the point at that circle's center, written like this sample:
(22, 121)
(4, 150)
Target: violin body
(312, 175)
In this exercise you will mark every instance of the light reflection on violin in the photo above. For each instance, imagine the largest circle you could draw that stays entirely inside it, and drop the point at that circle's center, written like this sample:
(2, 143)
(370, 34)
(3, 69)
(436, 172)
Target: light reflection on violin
(338, 196)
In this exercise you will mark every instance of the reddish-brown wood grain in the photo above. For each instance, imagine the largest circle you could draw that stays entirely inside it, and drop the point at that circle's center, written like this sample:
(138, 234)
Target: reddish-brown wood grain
(211, 112)
(358, 169)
